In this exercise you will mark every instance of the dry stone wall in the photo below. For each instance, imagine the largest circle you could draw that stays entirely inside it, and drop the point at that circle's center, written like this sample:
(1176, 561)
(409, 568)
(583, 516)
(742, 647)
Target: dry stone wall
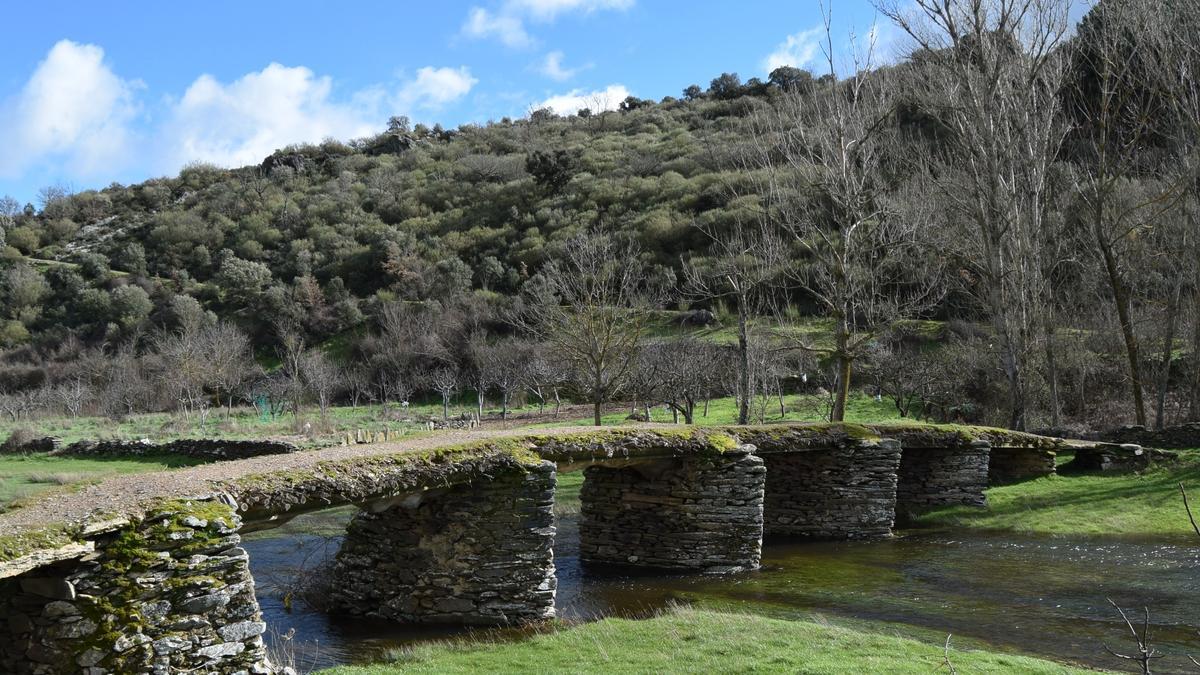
(1118, 457)
(170, 594)
(951, 476)
(699, 515)
(1174, 438)
(847, 492)
(201, 448)
(480, 553)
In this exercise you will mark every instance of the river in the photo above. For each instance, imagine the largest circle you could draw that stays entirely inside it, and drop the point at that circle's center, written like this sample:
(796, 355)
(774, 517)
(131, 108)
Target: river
(1043, 596)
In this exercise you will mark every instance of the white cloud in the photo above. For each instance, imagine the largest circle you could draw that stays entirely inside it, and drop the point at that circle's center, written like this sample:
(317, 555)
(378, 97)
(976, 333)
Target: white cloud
(573, 101)
(552, 67)
(548, 10)
(507, 23)
(73, 109)
(242, 122)
(797, 50)
(507, 28)
(434, 88)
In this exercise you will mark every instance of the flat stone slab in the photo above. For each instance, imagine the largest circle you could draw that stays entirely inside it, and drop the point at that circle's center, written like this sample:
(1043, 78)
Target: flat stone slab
(44, 557)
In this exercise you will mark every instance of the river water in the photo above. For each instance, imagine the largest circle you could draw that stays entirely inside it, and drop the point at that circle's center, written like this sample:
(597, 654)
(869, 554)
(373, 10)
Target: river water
(1035, 595)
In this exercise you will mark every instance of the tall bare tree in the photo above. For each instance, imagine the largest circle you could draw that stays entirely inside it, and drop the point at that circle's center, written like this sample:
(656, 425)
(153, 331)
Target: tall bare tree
(991, 72)
(742, 264)
(822, 159)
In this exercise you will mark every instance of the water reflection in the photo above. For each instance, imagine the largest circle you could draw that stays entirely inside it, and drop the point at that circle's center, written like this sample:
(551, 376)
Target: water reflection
(1044, 596)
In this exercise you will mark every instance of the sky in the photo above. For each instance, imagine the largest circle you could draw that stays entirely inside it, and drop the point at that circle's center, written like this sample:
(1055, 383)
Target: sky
(94, 93)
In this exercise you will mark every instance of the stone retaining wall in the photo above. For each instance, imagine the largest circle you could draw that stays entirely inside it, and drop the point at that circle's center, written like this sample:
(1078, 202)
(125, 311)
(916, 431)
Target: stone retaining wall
(202, 448)
(1117, 457)
(699, 515)
(1174, 438)
(838, 493)
(44, 444)
(932, 477)
(171, 594)
(479, 553)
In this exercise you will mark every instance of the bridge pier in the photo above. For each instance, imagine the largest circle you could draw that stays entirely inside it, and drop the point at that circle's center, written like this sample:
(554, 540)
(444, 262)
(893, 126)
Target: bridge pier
(942, 476)
(839, 492)
(478, 553)
(698, 514)
(170, 594)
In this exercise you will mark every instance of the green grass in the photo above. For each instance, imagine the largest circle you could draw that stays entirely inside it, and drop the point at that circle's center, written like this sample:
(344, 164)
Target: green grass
(24, 476)
(1146, 503)
(702, 641)
(242, 423)
(797, 408)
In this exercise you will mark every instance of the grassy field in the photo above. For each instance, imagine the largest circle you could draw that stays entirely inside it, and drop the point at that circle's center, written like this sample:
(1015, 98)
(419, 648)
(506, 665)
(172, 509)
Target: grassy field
(702, 641)
(22, 476)
(797, 408)
(241, 423)
(1146, 503)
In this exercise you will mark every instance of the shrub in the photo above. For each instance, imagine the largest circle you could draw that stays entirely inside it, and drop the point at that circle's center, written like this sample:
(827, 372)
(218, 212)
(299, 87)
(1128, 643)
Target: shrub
(18, 441)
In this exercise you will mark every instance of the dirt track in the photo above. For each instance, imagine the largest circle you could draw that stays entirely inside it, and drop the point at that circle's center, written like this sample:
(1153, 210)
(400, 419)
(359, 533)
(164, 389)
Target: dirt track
(125, 494)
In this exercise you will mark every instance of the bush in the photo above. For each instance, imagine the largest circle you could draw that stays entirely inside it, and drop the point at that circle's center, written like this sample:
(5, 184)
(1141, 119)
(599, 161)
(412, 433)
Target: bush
(19, 440)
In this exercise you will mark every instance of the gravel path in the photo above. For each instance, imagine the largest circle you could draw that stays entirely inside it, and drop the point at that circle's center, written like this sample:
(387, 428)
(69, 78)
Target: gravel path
(126, 494)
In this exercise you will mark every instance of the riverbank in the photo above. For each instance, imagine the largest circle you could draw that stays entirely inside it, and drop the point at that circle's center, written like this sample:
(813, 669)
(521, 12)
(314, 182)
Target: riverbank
(695, 640)
(1144, 503)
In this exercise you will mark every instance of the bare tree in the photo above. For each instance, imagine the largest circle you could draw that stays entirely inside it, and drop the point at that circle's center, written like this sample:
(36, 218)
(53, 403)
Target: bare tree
(822, 159)
(742, 264)
(991, 75)
(902, 372)
(291, 350)
(683, 373)
(72, 395)
(1119, 110)
(593, 310)
(322, 378)
(359, 385)
(504, 364)
(445, 381)
(227, 351)
(543, 377)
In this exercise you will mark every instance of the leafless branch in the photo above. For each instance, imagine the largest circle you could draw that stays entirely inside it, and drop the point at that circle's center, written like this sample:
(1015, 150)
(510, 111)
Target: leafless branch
(1187, 507)
(1145, 653)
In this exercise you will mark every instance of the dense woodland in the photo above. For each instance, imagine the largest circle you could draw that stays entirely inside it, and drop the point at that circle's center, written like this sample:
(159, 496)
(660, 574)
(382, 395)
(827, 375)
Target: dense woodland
(1000, 227)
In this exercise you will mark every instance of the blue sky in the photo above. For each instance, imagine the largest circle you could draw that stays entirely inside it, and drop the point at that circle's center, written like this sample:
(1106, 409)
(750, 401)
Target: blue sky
(92, 93)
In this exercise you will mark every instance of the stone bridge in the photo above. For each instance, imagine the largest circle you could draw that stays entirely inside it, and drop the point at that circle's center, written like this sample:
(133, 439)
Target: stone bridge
(461, 534)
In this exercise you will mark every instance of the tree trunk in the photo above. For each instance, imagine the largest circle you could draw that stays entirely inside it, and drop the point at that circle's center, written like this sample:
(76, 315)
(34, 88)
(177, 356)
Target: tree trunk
(596, 413)
(1122, 300)
(1052, 374)
(1168, 344)
(1195, 402)
(844, 364)
(479, 404)
(445, 407)
(743, 361)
